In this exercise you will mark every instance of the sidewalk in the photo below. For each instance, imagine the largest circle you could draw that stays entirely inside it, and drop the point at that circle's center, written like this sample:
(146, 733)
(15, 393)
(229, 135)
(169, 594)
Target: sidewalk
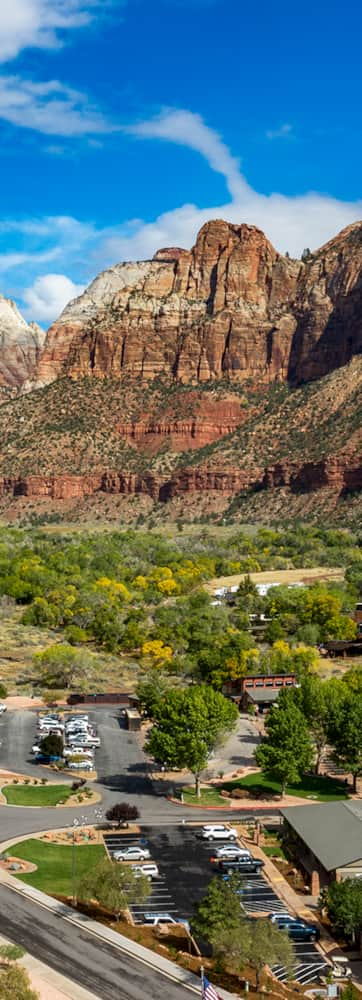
(49, 984)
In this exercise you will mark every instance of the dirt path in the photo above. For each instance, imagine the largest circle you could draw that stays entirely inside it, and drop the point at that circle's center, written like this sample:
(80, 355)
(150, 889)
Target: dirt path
(327, 573)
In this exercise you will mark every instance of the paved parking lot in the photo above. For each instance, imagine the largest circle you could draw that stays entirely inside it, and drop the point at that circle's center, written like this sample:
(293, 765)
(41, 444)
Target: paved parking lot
(183, 861)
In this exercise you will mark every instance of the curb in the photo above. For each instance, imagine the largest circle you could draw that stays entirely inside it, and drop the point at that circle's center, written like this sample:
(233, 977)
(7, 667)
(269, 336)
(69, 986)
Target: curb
(226, 808)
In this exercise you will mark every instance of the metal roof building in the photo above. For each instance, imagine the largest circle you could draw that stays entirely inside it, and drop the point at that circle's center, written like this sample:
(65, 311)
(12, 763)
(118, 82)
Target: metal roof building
(327, 838)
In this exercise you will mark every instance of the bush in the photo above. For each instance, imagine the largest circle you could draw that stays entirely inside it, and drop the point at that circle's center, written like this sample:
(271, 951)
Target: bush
(52, 745)
(3, 690)
(122, 813)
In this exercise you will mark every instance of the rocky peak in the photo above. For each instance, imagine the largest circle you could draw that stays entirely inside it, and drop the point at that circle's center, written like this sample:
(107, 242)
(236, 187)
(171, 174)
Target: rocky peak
(230, 307)
(20, 345)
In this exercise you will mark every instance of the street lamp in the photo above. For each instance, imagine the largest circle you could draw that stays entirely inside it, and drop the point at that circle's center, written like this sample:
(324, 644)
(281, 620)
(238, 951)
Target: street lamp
(74, 872)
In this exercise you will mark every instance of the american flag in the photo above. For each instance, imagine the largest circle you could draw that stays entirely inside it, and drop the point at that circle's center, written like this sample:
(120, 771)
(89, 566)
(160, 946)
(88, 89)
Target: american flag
(208, 991)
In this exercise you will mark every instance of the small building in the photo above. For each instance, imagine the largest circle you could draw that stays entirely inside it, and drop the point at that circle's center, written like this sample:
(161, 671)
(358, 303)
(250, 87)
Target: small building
(260, 690)
(326, 841)
(104, 698)
(133, 719)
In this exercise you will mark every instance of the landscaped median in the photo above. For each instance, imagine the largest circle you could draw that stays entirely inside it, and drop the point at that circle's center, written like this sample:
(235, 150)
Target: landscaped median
(42, 795)
(261, 787)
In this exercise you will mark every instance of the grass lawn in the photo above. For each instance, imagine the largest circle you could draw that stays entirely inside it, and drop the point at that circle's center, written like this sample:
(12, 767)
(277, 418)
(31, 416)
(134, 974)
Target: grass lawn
(274, 851)
(209, 797)
(36, 795)
(54, 862)
(312, 786)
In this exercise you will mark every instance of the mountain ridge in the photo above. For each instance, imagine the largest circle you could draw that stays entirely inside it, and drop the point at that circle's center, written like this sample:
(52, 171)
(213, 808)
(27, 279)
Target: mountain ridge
(227, 373)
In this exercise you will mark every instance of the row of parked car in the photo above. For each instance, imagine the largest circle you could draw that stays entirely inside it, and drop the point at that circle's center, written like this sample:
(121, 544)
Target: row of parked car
(79, 740)
(231, 858)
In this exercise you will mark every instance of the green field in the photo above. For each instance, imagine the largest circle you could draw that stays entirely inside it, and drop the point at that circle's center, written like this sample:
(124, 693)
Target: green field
(54, 863)
(311, 786)
(36, 795)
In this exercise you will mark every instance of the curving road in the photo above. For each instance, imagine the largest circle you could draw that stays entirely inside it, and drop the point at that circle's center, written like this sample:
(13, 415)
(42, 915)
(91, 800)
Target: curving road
(104, 970)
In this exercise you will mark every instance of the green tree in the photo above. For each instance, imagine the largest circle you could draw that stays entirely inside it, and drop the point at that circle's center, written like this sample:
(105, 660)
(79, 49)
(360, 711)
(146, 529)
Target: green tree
(189, 724)
(347, 737)
(114, 886)
(15, 984)
(350, 992)
(286, 752)
(343, 901)
(269, 946)
(52, 745)
(151, 690)
(64, 666)
(3, 690)
(218, 910)
(322, 704)
(235, 940)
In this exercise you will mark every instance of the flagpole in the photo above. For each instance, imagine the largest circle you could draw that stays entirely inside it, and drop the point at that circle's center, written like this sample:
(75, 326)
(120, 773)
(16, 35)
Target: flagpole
(202, 980)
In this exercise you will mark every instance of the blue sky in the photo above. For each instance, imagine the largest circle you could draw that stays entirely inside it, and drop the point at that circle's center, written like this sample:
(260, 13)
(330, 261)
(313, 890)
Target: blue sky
(127, 124)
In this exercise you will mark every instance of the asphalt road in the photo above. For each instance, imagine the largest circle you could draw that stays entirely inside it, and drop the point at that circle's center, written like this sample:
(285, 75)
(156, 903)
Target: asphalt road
(122, 775)
(106, 971)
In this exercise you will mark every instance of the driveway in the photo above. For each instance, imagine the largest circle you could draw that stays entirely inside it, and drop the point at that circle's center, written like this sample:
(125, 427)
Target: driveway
(238, 751)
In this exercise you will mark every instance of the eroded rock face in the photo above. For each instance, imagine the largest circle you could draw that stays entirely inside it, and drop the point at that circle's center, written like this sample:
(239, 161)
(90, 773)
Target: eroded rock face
(232, 306)
(221, 309)
(207, 421)
(20, 346)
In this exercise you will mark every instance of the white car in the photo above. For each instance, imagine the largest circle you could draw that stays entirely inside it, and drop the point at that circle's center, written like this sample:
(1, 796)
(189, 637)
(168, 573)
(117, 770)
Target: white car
(280, 917)
(36, 748)
(219, 832)
(232, 852)
(131, 854)
(47, 727)
(154, 919)
(80, 765)
(150, 870)
(89, 741)
(3, 708)
(76, 751)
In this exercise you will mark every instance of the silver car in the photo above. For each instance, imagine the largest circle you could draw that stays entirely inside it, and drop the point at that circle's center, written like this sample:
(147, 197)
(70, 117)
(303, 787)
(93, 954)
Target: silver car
(131, 854)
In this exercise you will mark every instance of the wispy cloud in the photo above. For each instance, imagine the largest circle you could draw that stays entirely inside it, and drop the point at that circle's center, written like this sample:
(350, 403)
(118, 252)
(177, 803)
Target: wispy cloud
(290, 222)
(188, 129)
(41, 24)
(81, 249)
(283, 132)
(49, 107)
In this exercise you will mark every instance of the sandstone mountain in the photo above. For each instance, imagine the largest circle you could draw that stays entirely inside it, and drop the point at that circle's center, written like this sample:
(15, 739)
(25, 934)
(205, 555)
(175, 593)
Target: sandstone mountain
(231, 307)
(224, 378)
(20, 346)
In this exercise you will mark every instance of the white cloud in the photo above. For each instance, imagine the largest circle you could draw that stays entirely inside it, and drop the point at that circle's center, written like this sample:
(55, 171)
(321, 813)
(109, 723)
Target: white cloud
(48, 296)
(14, 259)
(81, 249)
(39, 23)
(283, 132)
(188, 129)
(49, 107)
(291, 223)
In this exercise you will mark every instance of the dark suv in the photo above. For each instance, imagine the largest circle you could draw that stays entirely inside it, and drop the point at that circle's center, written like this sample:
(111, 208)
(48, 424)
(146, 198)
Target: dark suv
(249, 866)
(297, 930)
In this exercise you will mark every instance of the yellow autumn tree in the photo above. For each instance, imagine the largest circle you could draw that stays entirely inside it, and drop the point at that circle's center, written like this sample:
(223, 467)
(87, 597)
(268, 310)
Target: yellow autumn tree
(155, 653)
